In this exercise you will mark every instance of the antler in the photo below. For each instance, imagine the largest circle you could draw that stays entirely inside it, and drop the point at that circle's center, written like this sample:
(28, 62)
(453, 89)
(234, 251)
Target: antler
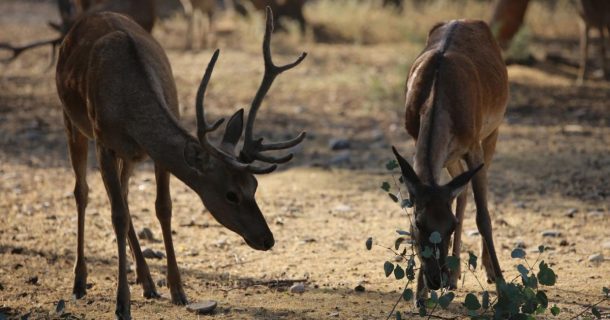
(19, 50)
(252, 148)
(203, 128)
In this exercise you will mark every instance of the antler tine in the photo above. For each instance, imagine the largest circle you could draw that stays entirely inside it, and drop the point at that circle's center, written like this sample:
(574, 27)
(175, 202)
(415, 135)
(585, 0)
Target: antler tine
(203, 128)
(252, 148)
(19, 50)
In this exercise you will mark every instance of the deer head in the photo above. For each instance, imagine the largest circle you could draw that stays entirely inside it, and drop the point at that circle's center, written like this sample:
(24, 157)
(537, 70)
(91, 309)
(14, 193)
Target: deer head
(228, 184)
(433, 213)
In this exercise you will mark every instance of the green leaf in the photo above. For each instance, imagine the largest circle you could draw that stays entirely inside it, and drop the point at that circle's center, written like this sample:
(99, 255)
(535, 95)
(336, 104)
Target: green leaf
(472, 260)
(433, 296)
(407, 294)
(391, 165)
(385, 186)
(472, 302)
(397, 242)
(446, 299)
(430, 304)
(398, 316)
(393, 197)
(435, 237)
(555, 310)
(411, 269)
(523, 270)
(606, 291)
(403, 233)
(485, 300)
(452, 262)
(422, 310)
(388, 267)
(596, 313)
(517, 253)
(369, 243)
(427, 253)
(406, 203)
(546, 275)
(541, 248)
(543, 300)
(399, 273)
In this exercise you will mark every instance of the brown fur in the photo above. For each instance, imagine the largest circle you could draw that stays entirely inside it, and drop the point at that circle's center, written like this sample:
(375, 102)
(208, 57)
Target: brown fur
(595, 14)
(507, 19)
(456, 96)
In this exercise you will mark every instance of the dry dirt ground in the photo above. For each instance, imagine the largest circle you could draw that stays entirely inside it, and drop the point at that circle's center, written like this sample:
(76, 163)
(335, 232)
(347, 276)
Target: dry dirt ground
(551, 171)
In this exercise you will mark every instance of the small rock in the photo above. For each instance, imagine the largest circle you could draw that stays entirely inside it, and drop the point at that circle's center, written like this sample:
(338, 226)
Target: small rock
(32, 280)
(338, 144)
(221, 243)
(551, 233)
(564, 243)
(359, 288)
(398, 258)
(571, 212)
(146, 234)
(152, 254)
(203, 307)
(333, 314)
(597, 258)
(161, 283)
(472, 233)
(308, 240)
(297, 288)
(342, 208)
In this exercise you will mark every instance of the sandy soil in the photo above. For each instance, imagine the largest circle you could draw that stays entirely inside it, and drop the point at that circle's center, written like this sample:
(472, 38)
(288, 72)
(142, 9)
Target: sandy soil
(551, 171)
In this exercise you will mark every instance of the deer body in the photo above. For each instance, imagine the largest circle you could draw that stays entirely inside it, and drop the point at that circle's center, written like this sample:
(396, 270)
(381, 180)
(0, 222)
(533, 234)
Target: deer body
(456, 96)
(595, 14)
(117, 89)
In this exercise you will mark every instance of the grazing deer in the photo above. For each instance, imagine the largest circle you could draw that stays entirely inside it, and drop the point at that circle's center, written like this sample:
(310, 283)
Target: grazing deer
(141, 11)
(507, 19)
(456, 95)
(192, 9)
(117, 89)
(292, 9)
(595, 14)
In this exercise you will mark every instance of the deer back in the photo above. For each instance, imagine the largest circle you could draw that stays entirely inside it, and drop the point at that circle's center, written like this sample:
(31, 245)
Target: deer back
(457, 88)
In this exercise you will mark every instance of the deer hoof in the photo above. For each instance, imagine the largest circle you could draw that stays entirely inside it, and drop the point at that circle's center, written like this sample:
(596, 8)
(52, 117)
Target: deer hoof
(122, 312)
(80, 288)
(179, 298)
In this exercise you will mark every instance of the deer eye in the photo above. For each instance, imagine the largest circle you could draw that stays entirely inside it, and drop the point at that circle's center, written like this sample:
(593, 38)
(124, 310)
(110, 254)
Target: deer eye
(232, 197)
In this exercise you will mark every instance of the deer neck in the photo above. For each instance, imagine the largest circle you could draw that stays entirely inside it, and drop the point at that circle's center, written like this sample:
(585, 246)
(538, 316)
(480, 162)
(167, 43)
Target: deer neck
(433, 143)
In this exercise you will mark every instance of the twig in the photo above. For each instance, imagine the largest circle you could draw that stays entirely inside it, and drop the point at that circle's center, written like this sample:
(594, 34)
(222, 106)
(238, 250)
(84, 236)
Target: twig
(397, 301)
(589, 308)
(436, 317)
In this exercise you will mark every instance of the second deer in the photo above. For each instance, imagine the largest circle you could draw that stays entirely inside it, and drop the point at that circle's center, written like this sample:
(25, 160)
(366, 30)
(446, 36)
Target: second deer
(595, 14)
(456, 96)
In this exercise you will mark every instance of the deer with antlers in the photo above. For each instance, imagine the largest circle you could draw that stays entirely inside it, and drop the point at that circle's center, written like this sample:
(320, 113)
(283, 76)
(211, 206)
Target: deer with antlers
(456, 96)
(117, 89)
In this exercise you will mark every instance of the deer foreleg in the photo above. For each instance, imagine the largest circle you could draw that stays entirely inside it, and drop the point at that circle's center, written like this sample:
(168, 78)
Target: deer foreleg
(456, 169)
(163, 206)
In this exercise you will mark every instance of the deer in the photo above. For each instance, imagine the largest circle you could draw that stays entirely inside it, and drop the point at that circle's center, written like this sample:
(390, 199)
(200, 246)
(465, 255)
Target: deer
(142, 11)
(456, 95)
(292, 9)
(116, 87)
(595, 14)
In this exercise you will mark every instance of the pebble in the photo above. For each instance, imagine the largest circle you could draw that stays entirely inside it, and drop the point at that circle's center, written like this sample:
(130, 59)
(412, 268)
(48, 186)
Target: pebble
(339, 144)
(152, 254)
(551, 233)
(564, 243)
(472, 233)
(597, 258)
(146, 234)
(333, 314)
(359, 288)
(202, 307)
(297, 288)
(161, 283)
(571, 212)
(520, 244)
(342, 208)
(32, 280)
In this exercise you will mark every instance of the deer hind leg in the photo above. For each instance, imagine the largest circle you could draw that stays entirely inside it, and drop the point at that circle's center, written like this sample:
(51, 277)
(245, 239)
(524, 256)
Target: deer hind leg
(602, 51)
(163, 206)
(454, 170)
(120, 221)
(476, 157)
(142, 271)
(584, 51)
(422, 291)
(78, 146)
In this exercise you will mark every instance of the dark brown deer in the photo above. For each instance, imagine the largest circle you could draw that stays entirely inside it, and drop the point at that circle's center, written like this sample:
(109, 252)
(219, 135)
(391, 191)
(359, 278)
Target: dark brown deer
(595, 14)
(117, 89)
(141, 11)
(456, 96)
(292, 9)
(507, 19)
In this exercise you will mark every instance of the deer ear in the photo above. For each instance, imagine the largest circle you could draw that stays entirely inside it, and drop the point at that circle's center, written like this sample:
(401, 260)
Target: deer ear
(410, 177)
(233, 132)
(459, 183)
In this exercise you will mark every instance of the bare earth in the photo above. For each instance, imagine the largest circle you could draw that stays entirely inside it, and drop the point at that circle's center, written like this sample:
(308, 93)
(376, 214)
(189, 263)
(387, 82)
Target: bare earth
(553, 158)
